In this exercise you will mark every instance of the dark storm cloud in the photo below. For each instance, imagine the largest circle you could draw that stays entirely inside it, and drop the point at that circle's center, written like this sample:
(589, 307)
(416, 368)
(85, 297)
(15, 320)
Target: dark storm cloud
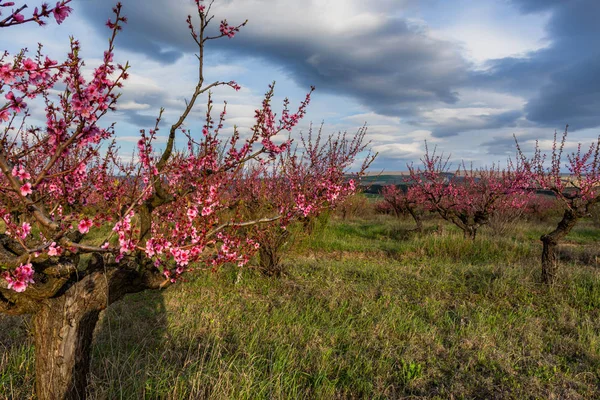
(455, 126)
(152, 28)
(536, 5)
(573, 97)
(142, 120)
(392, 68)
(506, 145)
(560, 80)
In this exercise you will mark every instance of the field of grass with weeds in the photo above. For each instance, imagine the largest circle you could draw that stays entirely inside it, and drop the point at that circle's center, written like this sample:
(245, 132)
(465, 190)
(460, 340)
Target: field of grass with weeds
(368, 309)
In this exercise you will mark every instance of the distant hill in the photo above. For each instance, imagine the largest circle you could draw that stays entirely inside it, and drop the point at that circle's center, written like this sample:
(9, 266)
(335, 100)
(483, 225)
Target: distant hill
(373, 182)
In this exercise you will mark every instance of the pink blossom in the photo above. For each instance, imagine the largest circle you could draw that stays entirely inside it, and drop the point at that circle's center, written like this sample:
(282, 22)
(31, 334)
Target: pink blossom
(17, 104)
(49, 62)
(20, 278)
(26, 189)
(234, 85)
(54, 250)
(29, 65)
(85, 225)
(192, 212)
(227, 30)
(6, 73)
(61, 12)
(25, 230)
(181, 257)
(18, 17)
(17, 286)
(352, 185)
(21, 173)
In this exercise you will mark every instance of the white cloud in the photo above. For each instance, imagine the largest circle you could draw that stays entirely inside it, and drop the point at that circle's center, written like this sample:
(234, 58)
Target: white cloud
(132, 105)
(493, 29)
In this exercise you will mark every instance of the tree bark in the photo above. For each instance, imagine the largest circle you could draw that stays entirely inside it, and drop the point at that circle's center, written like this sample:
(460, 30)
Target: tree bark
(417, 217)
(64, 326)
(550, 246)
(270, 261)
(470, 232)
(63, 332)
(549, 260)
(271, 251)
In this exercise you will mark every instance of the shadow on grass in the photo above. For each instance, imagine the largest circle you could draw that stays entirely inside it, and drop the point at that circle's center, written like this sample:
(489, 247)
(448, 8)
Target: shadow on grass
(16, 358)
(131, 334)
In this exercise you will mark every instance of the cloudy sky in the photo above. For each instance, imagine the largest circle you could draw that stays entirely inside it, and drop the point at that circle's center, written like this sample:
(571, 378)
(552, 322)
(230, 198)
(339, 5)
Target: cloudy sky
(464, 75)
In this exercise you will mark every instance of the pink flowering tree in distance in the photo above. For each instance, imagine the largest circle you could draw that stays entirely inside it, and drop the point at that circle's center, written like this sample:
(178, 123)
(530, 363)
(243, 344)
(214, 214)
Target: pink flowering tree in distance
(402, 202)
(578, 190)
(509, 210)
(313, 176)
(468, 197)
(81, 228)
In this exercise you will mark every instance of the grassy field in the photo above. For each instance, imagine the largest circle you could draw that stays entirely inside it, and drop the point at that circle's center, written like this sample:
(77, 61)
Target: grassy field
(367, 310)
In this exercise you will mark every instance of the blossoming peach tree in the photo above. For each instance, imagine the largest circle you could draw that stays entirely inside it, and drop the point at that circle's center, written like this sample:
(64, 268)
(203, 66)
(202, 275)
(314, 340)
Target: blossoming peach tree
(468, 197)
(575, 184)
(410, 201)
(81, 229)
(314, 175)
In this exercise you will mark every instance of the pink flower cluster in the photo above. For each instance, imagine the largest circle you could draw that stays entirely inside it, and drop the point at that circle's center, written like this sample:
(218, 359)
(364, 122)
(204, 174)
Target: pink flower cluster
(20, 172)
(84, 225)
(228, 30)
(60, 12)
(20, 278)
(54, 250)
(124, 229)
(24, 230)
(201, 7)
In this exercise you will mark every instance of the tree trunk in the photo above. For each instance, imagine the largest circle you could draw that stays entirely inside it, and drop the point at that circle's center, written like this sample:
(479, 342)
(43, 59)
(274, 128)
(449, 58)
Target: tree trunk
(549, 260)
(418, 219)
(63, 332)
(271, 251)
(64, 326)
(470, 232)
(270, 261)
(550, 246)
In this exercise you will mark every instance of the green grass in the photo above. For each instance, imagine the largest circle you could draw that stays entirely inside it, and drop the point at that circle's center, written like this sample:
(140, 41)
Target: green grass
(368, 310)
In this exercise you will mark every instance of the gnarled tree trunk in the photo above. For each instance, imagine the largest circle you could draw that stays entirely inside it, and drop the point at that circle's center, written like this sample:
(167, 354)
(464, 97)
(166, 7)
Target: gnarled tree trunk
(63, 332)
(550, 246)
(65, 312)
(271, 251)
(470, 232)
(418, 217)
(64, 327)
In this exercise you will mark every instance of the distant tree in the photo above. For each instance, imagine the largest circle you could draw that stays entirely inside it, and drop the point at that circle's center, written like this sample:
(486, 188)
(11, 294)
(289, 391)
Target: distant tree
(405, 202)
(313, 175)
(543, 207)
(468, 197)
(357, 205)
(510, 210)
(578, 191)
